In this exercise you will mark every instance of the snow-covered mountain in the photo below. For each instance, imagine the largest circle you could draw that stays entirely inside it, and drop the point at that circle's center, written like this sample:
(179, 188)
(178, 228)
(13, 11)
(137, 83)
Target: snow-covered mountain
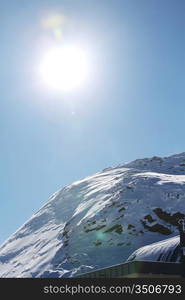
(100, 220)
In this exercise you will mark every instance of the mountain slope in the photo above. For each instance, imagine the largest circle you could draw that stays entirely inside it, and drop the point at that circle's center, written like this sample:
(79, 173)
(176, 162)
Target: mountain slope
(100, 220)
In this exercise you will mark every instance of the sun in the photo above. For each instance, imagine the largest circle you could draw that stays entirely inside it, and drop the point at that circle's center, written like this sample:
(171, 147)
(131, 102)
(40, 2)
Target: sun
(64, 68)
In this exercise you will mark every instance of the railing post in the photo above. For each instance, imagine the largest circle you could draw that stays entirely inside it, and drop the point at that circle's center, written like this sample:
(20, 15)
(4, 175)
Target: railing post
(181, 223)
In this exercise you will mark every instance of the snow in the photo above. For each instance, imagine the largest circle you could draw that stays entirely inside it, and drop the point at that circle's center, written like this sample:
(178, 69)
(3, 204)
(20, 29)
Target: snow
(100, 220)
(166, 251)
(163, 178)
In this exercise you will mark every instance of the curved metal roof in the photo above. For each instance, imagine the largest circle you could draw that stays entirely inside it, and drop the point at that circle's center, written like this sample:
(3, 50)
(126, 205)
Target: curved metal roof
(165, 251)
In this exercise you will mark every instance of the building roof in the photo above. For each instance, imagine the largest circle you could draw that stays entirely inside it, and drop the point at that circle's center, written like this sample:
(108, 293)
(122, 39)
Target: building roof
(167, 250)
(137, 269)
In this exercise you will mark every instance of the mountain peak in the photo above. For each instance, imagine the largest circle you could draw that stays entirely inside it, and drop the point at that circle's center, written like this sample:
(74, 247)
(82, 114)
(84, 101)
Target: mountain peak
(173, 164)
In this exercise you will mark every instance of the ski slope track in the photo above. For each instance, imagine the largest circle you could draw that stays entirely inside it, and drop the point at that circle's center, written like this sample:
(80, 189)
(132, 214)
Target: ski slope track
(100, 220)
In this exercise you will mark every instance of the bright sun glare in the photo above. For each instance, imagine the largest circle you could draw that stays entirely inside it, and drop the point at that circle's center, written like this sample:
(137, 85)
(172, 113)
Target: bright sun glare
(64, 68)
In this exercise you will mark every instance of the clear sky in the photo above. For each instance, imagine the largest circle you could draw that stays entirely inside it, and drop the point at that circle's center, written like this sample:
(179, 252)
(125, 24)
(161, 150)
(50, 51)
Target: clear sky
(132, 105)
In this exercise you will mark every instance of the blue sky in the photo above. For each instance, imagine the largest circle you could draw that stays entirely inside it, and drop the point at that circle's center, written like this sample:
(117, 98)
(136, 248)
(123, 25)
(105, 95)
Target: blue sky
(132, 107)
